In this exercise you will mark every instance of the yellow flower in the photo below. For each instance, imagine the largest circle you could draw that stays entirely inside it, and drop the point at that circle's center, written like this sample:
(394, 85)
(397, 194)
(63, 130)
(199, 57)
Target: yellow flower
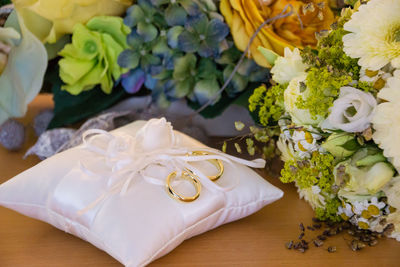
(51, 19)
(245, 16)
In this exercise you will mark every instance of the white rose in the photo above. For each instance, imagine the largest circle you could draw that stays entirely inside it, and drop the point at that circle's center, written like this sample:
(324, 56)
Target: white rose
(352, 111)
(288, 67)
(156, 134)
(291, 94)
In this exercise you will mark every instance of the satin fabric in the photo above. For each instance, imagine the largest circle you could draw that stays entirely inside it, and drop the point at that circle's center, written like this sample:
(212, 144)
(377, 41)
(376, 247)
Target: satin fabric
(141, 225)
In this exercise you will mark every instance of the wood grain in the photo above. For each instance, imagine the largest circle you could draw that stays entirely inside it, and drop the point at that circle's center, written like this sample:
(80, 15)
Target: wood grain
(257, 240)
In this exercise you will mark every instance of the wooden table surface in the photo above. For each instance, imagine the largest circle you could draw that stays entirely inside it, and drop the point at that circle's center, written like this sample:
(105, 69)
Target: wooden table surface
(257, 240)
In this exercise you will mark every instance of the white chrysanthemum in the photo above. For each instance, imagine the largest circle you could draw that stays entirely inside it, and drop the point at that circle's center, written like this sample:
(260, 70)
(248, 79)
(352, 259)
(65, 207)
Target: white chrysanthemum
(288, 67)
(386, 120)
(286, 149)
(374, 35)
(313, 196)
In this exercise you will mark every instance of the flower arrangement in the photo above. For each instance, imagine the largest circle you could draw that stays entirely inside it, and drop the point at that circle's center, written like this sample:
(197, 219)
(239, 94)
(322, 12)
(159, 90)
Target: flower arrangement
(92, 54)
(337, 110)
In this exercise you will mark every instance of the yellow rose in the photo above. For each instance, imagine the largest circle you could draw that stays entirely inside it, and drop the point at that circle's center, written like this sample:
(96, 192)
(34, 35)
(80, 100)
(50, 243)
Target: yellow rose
(51, 19)
(245, 16)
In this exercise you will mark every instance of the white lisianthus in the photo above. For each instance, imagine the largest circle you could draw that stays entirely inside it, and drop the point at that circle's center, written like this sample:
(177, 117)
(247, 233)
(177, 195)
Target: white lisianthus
(155, 135)
(352, 111)
(288, 67)
(291, 95)
(386, 120)
(374, 35)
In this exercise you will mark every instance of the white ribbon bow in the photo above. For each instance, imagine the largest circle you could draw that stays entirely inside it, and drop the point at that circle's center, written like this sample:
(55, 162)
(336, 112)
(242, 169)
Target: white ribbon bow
(126, 164)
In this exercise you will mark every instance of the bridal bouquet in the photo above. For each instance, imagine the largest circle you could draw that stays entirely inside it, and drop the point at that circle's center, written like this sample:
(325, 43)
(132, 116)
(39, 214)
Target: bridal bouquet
(337, 108)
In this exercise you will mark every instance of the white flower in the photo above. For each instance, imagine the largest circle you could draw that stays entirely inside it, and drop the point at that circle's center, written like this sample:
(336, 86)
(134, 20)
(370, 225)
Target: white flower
(305, 142)
(377, 78)
(286, 148)
(386, 120)
(352, 111)
(288, 67)
(312, 195)
(291, 94)
(346, 211)
(394, 218)
(374, 35)
(392, 192)
(156, 134)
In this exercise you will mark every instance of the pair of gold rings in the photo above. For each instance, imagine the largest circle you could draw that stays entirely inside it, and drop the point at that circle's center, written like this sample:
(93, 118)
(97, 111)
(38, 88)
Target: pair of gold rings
(193, 178)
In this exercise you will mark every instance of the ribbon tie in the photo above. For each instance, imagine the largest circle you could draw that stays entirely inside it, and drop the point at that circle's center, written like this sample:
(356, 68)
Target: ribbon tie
(126, 162)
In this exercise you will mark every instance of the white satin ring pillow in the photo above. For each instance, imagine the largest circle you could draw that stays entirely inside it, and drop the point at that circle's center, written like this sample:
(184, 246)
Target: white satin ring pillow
(74, 192)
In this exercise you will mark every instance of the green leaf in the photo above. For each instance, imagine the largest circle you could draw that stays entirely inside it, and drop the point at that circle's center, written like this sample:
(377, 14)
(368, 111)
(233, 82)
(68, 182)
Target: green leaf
(69, 109)
(351, 145)
(269, 55)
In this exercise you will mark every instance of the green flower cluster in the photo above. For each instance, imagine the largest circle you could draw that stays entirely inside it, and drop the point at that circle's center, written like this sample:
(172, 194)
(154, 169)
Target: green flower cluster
(316, 171)
(268, 103)
(323, 88)
(329, 212)
(330, 52)
(180, 49)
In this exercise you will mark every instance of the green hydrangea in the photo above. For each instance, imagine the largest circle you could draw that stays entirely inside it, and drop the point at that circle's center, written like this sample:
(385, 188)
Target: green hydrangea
(324, 87)
(329, 212)
(268, 103)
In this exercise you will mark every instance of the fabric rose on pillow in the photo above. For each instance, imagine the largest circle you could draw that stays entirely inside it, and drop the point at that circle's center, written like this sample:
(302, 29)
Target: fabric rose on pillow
(156, 134)
(352, 111)
(245, 16)
(51, 19)
(91, 59)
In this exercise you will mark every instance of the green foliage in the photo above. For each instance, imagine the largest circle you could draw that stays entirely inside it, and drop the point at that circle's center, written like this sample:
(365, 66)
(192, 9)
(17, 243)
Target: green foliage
(323, 88)
(4, 2)
(329, 212)
(268, 103)
(70, 109)
(366, 87)
(316, 171)
(330, 50)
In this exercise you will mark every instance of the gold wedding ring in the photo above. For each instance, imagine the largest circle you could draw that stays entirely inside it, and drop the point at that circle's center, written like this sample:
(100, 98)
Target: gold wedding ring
(188, 175)
(216, 162)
